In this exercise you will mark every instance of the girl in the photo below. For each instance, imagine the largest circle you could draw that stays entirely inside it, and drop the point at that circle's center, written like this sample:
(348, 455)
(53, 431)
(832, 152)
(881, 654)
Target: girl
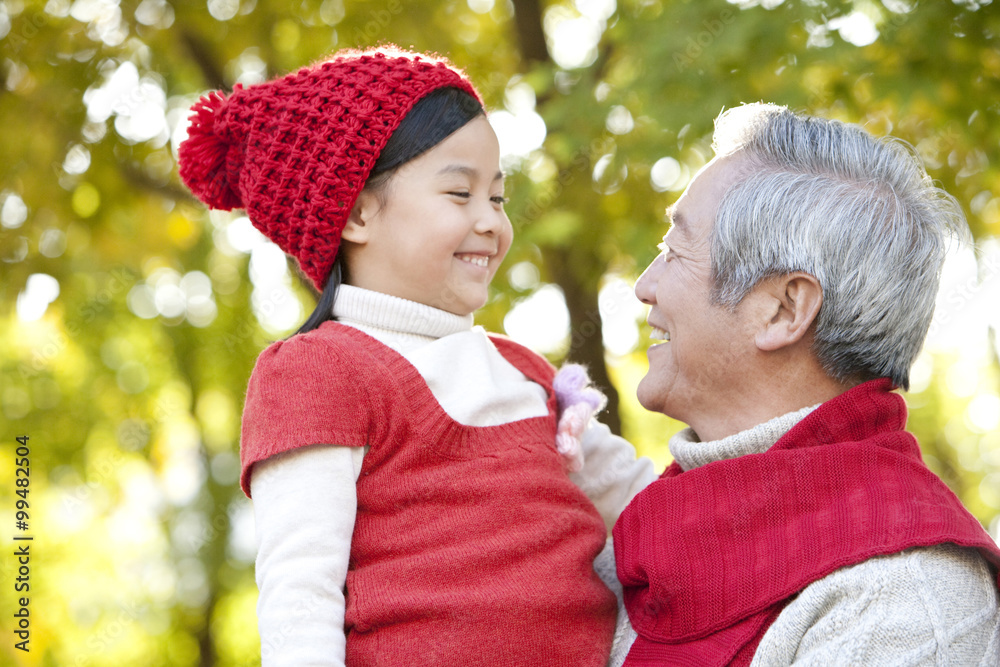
(412, 504)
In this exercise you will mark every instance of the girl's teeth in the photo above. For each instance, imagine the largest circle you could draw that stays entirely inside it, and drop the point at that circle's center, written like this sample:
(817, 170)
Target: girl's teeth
(478, 260)
(659, 334)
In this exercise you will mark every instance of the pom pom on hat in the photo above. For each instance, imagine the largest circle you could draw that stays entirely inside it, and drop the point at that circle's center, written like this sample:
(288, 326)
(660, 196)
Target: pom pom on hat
(295, 152)
(203, 155)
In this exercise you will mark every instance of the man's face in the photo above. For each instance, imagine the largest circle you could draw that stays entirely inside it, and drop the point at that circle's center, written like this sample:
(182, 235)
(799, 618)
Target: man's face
(699, 367)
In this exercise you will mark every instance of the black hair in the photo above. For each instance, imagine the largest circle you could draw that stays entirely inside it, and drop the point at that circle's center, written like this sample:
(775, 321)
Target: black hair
(432, 119)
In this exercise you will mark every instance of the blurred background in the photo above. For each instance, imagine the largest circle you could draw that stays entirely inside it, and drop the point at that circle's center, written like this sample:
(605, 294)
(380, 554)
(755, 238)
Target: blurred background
(131, 317)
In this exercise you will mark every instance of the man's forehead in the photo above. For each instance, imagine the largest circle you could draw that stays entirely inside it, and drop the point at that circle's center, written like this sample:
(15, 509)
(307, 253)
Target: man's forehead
(701, 198)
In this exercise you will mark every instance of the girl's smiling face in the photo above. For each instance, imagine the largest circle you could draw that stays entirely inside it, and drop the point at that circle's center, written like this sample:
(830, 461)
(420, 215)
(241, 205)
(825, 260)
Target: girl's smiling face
(438, 232)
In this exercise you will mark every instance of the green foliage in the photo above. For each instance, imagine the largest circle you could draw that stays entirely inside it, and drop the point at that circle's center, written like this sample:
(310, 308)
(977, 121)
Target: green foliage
(131, 384)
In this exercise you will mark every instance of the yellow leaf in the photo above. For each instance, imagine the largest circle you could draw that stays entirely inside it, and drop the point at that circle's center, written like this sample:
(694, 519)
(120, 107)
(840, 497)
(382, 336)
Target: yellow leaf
(182, 232)
(86, 200)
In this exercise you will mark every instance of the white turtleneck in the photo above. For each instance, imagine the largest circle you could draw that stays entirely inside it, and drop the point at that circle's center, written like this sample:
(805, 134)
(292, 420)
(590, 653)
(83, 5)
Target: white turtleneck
(305, 500)
(690, 452)
(471, 380)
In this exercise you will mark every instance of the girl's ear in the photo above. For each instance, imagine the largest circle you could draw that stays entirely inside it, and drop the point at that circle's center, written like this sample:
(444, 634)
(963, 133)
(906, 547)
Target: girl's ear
(359, 222)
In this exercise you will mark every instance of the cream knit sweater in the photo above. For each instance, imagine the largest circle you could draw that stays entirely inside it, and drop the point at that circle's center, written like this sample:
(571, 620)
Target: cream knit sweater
(924, 606)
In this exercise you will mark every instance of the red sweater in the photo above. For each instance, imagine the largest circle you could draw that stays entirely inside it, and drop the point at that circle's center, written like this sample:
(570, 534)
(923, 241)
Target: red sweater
(471, 545)
(709, 557)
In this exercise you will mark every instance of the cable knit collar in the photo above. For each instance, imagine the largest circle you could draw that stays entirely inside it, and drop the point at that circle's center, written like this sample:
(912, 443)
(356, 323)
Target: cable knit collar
(358, 306)
(690, 452)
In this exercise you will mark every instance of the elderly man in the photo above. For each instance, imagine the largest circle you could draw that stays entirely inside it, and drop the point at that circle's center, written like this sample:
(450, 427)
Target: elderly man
(798, 523)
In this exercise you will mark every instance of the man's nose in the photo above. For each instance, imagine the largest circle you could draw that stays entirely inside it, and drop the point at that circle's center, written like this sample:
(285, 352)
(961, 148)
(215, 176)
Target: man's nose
(645, 286)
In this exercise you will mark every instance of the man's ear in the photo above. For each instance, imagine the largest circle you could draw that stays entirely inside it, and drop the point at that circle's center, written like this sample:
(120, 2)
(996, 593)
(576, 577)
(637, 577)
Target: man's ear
(793, 302)
(359, 222)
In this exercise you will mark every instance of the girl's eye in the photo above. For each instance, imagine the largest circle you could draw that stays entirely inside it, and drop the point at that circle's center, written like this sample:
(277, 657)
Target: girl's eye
(463, 195)
(499, 199)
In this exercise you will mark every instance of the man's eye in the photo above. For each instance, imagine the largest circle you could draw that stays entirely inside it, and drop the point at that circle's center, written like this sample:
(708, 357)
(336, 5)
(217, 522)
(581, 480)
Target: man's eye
(666, 252)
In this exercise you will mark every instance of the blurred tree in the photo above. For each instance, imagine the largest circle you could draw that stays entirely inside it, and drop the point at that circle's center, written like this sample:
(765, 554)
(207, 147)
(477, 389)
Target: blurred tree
(132, 317)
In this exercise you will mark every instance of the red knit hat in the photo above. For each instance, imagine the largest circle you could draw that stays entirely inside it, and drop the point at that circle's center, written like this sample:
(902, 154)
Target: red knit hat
(295, 152)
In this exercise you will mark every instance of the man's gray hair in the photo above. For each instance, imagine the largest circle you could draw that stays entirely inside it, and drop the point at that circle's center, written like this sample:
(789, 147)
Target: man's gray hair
(859, 214)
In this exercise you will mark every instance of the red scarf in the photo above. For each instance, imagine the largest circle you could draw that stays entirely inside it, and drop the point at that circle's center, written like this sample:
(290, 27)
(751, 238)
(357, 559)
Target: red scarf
(708, 558)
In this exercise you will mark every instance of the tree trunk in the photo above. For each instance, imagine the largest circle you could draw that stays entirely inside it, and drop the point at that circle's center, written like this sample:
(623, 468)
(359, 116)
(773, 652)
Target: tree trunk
(587, 339)
(586, 331)
(530, 35)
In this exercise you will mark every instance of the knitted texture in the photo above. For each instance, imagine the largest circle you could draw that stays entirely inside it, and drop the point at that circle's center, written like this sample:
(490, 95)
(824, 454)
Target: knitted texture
(471, 545)
(689, 452)
(709, 557)
(921, 607)
(295, 152)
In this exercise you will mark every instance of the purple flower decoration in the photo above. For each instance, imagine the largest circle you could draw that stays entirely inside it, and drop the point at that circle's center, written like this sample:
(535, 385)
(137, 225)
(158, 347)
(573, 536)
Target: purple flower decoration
(578, 402)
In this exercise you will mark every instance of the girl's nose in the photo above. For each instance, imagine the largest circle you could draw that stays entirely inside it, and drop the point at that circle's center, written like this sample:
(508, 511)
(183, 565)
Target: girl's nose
(645, 286)
(489, 220)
